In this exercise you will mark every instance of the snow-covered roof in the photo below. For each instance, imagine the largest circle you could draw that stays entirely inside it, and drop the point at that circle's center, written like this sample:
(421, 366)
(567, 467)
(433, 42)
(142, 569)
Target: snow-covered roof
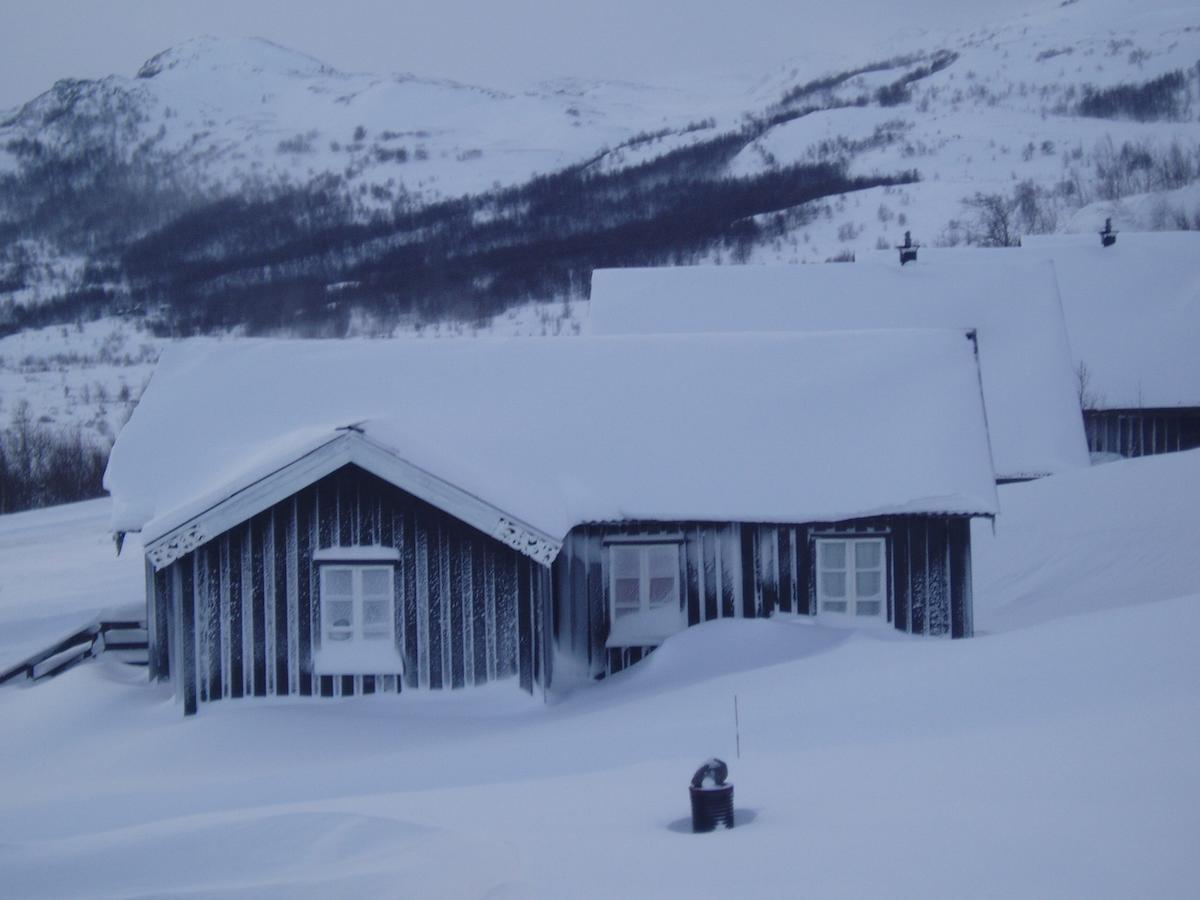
(1132, 310)
(1133, 314)
(555, 432)
(1028, 383)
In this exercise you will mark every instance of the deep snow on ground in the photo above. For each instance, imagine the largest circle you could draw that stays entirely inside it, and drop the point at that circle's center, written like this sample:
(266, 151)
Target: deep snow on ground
(1114, 535)
(1053, 756)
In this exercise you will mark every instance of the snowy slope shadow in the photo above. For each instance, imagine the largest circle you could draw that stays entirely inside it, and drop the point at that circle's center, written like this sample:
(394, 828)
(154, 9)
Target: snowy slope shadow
(724, 647)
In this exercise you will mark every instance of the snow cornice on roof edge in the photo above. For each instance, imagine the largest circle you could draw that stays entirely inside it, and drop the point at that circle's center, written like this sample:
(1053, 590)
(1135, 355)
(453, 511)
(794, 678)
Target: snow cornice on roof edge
(166, 542)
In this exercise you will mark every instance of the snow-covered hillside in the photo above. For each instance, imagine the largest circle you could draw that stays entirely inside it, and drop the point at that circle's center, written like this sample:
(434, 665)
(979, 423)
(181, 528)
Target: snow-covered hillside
(1052, 756)
(86, 376)
(1004, 112)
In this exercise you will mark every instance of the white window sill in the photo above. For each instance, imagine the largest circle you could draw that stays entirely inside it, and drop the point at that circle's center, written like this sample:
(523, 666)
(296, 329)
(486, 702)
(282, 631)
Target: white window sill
(846, 620)
(358, 658)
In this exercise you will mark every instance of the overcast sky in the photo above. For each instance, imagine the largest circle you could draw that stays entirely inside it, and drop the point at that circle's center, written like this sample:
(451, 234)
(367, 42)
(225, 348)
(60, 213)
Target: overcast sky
(500, 43)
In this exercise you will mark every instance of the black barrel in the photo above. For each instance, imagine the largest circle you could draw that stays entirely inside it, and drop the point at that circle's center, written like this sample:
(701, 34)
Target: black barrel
(712, 798)
(712, 807)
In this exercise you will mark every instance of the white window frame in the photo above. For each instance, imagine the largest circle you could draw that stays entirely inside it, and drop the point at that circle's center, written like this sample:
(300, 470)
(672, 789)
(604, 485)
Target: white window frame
(851, 598)
(648, 626)
(354, 649)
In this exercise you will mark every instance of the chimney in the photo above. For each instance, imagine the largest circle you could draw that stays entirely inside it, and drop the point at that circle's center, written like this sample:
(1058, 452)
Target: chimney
(908, 250)
(1108, 236)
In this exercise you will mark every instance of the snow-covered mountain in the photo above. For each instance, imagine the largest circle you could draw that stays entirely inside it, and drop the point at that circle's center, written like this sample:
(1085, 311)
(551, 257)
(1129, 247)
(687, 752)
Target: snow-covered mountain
(1079, 103)
(239, 114)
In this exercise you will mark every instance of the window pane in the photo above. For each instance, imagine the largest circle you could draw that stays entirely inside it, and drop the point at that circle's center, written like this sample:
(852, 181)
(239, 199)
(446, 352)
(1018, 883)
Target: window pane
(627, 562)
(833, 584)
(339, 619)
(868, 607)
(376, 581)
(834, 606)
(833, 554)
(868, 584)
(339, 613)
(375, 612)
(663, 561)
(662, 591)
(339, 581)
(868, 554)
(628, 596)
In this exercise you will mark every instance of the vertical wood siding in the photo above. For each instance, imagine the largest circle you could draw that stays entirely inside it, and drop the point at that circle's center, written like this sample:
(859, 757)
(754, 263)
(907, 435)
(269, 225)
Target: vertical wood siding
(1142, 432)
(239, 616)
(158, 623)
(752, 571)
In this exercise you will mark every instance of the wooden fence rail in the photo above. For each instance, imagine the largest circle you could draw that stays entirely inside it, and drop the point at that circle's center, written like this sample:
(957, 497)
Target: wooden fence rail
(126, 637)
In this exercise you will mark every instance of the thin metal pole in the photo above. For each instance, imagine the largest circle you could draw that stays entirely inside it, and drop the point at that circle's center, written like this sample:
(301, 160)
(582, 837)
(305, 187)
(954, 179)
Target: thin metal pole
(737, 727)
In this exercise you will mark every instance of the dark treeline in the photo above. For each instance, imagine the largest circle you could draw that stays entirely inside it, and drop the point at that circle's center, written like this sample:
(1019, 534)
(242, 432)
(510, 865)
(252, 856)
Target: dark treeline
(266, 263)
(40, 466)
(891, 94)
(82, 305)
(900, 90)
(1165, 97)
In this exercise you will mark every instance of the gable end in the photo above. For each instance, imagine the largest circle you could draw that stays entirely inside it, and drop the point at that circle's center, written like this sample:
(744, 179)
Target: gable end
(349, 447)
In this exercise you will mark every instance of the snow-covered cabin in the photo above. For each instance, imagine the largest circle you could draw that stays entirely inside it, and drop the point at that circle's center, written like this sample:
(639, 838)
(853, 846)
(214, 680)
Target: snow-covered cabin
(1029, 387)
(345, 517)
(1133, 320)
(1132, 312)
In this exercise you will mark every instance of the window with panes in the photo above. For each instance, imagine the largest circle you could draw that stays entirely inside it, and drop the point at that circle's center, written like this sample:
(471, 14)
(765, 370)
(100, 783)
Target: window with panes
(357, 604)
(852, 577)
(644, 605)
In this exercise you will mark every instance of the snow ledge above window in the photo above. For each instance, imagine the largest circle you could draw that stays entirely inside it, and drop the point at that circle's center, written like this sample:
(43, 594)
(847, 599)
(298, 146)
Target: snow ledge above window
(364, 553)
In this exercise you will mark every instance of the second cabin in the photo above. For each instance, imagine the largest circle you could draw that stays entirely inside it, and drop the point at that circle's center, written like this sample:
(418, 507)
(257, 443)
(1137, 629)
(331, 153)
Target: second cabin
(1029, 390)
(341, 518)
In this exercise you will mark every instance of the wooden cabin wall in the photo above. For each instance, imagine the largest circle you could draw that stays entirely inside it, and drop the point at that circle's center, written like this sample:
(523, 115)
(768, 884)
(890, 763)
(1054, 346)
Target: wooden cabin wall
(752, 571)
(1142, 432)
(239, 616)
